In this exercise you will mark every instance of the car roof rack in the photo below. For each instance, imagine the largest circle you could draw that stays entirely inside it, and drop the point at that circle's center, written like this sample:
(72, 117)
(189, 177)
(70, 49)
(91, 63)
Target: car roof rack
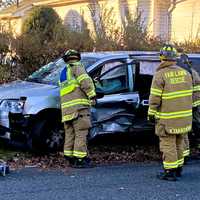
(150, 57)
(144, 54)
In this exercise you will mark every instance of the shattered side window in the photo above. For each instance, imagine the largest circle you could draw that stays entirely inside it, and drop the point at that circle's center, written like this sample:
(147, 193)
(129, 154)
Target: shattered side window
(117, 72)
(148, 68)
(87, 61)
(144, 79)
(110, 65)
(113, 81)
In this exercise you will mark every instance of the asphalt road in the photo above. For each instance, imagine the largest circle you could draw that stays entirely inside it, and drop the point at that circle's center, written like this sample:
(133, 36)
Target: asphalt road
(120, 182)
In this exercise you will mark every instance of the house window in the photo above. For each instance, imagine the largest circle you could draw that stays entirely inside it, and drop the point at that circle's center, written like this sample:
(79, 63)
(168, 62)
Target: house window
(74, 20)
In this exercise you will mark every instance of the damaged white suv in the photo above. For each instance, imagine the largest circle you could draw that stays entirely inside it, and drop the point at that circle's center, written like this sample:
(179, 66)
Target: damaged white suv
(30, 110)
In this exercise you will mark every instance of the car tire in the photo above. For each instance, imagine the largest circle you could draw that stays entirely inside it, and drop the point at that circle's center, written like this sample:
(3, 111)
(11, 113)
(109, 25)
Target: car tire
(47, 135)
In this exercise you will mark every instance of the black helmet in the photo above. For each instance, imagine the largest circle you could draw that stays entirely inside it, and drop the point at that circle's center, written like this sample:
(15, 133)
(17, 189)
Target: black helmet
(168, 53)
(185, 59)
(72, 56)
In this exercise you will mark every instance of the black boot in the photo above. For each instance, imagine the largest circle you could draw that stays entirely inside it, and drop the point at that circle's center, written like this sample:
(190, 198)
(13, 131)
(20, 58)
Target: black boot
(179, 172)
(82, 163)
(186, 160)
(168, 175)
(70, 159)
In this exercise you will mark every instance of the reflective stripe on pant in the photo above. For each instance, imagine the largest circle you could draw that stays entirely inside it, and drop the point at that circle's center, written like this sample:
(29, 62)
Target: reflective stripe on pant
(172, 148)
(76, 135)
(186, 145)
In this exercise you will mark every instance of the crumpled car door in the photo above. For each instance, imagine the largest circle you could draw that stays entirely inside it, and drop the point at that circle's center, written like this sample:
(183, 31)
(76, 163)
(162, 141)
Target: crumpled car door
(114, 112)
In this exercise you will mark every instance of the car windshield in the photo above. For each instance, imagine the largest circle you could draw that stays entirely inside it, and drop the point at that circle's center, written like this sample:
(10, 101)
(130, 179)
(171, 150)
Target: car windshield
(50, 73)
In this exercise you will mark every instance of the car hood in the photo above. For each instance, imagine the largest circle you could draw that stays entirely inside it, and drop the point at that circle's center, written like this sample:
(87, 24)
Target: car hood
(17, 89)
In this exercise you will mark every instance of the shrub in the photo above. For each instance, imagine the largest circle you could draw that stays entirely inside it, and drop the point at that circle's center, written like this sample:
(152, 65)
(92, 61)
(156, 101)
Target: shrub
(41, 21)
(7, 74)
(43, 35)
(107, 33)
(189, 46)
(5, 39)
(79, 39)
(136, 35)
(45, 38)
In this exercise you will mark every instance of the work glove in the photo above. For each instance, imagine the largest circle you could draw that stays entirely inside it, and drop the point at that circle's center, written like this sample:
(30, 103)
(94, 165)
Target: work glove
(151, 119)
(93, 101)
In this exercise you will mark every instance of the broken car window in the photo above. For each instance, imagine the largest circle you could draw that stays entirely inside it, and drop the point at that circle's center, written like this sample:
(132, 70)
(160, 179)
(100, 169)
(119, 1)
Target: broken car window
(50, 73)
(113, 81)
(147, 67)
(109, 66)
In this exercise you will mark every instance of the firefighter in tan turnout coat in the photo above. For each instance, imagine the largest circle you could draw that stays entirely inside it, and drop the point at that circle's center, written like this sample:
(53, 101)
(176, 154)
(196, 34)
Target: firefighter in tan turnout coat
(170, 104)
(196, 103)
(77, 91)
(186, 64)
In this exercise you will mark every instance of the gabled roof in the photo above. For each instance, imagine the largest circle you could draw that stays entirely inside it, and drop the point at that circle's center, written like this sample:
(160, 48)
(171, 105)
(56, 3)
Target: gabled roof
(24, 5)
(14, 7)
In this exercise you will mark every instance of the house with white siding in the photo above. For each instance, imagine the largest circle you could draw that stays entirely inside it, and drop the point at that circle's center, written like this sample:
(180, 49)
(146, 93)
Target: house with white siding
(169, 19)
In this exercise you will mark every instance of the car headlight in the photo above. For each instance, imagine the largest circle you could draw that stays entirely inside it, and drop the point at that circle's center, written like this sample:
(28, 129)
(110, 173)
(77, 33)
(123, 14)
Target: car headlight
(12, 105)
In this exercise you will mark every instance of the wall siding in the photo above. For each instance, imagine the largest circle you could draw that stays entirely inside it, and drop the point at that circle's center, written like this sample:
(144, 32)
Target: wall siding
(161, 18)
(186, 20)
(119, 8)
(146, 7)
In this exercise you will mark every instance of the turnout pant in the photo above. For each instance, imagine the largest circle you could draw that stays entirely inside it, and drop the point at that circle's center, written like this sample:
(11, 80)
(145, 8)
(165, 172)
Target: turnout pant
(171, 146)
(196, 120)
(186, 145)
(76, 132)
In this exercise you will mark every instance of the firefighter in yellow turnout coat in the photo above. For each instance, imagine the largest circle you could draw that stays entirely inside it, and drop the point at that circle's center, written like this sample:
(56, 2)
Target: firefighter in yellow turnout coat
(76, 91)
(186, 64)
(170, 104)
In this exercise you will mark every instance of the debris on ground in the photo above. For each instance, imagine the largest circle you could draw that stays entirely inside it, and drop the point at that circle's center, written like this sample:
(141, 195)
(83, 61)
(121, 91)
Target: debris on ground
(102, 154)
(99, 155)
(123, 154)
(107, 151)
(51, 161)
(4, 168)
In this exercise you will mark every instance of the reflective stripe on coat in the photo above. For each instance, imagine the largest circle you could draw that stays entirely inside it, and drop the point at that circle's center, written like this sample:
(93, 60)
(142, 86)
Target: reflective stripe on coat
(171, 98)
(76, 90)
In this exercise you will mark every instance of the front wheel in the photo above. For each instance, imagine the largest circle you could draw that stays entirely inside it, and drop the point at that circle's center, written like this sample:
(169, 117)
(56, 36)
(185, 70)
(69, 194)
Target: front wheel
(47, 135)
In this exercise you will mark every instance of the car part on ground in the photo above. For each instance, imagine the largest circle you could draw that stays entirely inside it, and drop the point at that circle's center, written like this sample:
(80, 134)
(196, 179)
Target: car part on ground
(4, 168)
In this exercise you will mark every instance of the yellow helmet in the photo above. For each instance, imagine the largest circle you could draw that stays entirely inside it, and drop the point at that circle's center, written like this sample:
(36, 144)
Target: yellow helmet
(168, 53)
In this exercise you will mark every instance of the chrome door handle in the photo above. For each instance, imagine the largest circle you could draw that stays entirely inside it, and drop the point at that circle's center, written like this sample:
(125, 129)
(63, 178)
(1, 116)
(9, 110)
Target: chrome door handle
(145, 102)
